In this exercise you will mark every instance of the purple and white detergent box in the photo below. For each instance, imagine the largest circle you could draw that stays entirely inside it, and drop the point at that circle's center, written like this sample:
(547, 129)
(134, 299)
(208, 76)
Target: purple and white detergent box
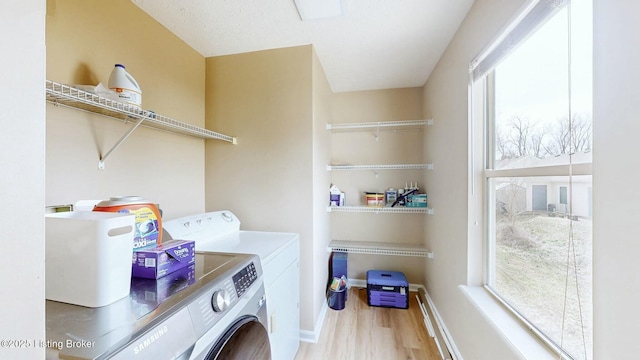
(158, 261)
(155, 291)
(336, 197)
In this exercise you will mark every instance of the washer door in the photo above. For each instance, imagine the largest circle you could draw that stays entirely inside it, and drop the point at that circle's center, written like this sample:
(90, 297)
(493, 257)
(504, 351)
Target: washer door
(245, 339)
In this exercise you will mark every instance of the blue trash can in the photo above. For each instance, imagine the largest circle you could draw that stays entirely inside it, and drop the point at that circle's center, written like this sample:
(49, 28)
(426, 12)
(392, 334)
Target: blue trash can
(337, 299)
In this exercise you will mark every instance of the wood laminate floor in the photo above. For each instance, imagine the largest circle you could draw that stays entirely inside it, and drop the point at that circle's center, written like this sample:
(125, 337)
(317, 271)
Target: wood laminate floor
(365, 332)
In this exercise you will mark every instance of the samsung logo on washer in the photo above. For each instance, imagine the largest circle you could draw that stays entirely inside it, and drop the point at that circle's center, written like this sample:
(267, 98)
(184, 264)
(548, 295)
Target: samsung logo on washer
(150, 340)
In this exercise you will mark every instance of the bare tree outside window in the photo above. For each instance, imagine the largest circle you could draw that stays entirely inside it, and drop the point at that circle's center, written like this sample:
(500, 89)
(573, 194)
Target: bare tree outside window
(570, 137)
(519, 137)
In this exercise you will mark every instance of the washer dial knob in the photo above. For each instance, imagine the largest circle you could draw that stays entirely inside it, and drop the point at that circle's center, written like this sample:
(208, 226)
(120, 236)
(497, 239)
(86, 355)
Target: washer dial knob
(227, 217)
(220, 300)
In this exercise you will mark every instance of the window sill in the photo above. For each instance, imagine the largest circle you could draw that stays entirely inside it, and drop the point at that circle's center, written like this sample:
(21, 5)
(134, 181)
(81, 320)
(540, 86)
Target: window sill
(520, 338)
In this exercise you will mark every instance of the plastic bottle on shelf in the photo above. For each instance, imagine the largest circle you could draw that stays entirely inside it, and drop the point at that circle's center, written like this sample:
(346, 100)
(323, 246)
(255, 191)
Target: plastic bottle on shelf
(125, 86)
(391, 196)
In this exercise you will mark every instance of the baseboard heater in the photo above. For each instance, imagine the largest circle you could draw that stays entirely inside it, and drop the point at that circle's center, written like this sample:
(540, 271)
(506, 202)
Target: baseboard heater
(430, 316)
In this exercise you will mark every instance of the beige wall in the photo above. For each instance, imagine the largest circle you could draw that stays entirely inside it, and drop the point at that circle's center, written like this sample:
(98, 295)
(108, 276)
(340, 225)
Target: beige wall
(616, 284)
(446, 100)
(322, 106)
(22, 110)
(265, 99)
(84, 41)
(383, 147)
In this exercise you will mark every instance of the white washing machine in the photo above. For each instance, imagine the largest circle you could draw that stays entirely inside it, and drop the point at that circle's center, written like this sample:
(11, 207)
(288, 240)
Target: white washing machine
(279, 253)
(214, 309)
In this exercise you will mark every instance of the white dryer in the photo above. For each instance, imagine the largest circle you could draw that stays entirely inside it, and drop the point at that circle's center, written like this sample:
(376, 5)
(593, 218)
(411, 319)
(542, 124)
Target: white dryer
(219, 231)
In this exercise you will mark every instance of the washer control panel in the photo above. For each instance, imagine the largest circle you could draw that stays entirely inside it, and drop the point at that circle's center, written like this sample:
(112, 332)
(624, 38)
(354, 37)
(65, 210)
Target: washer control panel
(244, 278)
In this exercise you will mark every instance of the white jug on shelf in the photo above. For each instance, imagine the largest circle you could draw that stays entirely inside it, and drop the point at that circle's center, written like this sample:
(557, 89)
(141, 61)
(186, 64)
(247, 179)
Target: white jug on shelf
(125, 86)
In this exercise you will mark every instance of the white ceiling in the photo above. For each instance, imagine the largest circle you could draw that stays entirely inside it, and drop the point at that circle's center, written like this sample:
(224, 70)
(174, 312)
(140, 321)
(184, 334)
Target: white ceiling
(377, 44)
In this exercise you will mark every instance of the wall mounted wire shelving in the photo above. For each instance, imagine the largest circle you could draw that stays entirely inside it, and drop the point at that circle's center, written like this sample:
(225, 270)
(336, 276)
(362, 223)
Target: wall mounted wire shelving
(381, 210)
(381, 125)
(69, 96)
(381, 167)
(375, 248)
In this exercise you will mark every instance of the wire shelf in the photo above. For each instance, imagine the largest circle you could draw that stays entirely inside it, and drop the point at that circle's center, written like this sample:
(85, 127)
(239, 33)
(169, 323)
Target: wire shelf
(388, 125)
(381, 167)
(385, 209)
(373, 248)
(69, 96)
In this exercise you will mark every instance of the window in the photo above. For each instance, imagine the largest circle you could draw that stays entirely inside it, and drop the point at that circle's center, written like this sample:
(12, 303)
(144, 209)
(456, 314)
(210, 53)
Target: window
(536, 148)
(563, 195)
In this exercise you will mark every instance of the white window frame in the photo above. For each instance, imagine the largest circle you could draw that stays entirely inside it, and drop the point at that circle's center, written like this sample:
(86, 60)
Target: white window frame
(480, 140)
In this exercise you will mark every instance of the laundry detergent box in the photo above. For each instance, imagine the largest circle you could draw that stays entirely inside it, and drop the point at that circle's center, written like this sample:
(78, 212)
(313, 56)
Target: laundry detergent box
(156, 262)
(155, 291)
(416, 200)
(336, 197)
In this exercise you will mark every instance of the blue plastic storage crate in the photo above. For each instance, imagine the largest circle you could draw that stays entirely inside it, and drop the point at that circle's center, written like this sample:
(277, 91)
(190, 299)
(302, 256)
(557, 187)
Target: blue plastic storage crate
(387, 289)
